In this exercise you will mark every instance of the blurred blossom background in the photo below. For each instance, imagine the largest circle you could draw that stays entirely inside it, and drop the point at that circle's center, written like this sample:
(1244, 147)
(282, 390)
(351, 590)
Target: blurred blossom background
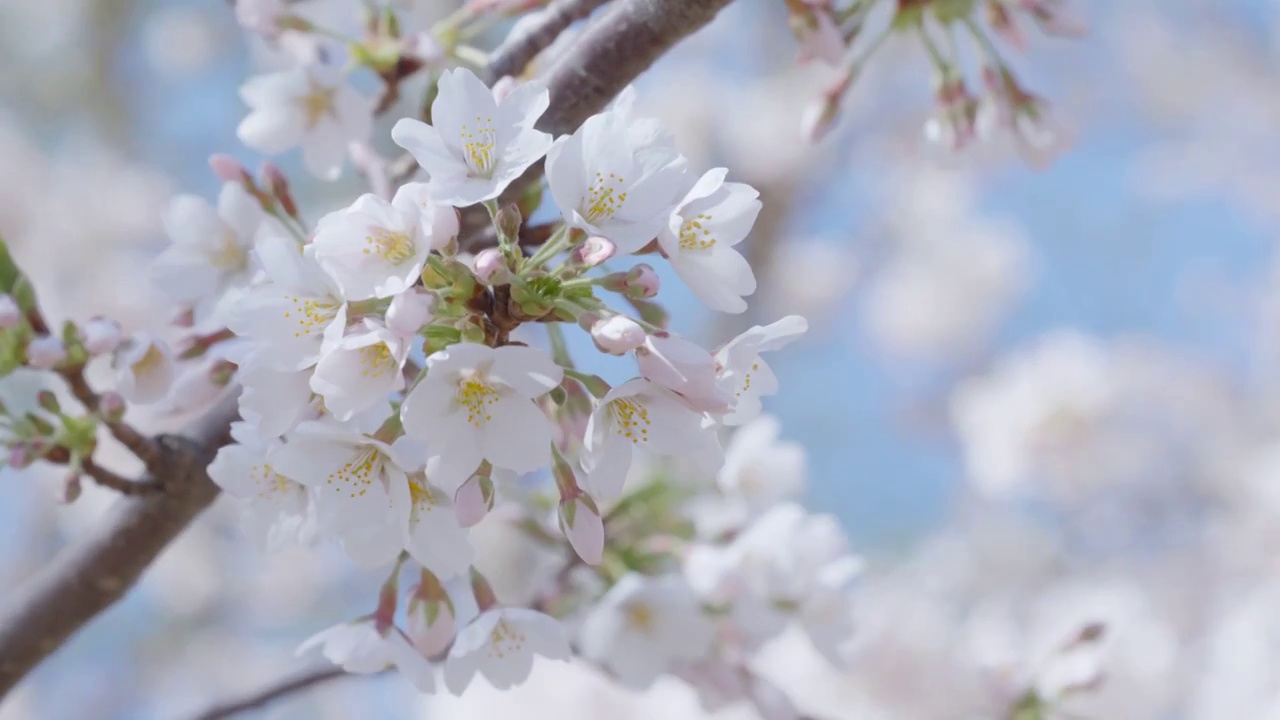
(1037, 400)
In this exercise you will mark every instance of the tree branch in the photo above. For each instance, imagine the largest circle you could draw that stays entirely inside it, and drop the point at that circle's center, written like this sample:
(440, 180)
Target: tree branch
(518, 50)
(89, 577)
(275, 692)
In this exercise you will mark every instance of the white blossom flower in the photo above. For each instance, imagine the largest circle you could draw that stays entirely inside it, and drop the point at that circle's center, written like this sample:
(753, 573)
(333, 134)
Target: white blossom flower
(409, 311)
(289, 317)
(642, 625)
(210, 250)
(759, 469)
(352, 475)
(374, 248)
(360, 370)
(477, 144)
(640, 414)
(274, 401)
(699, 240)
(276, 507)
(476, 403)
(430, 532)
(144, 369)
(501, 645)
(359, 648)
(311, 106)
(617, 177)
(683, 368)
(744, 375)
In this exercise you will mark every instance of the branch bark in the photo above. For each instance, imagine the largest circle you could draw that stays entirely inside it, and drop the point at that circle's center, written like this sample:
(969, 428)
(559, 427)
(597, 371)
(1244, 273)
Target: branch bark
(518, 51)
(293, 685)
(89, 577)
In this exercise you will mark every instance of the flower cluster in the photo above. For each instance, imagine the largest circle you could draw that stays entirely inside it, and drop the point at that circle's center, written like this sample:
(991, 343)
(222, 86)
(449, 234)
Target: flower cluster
(395, 393)
(839, 34)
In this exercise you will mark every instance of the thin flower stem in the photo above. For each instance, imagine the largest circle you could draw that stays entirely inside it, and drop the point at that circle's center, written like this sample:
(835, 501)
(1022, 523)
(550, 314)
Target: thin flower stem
(120, 484)
(944, 68)
(990, 52)
(559, 350)
(558, 241)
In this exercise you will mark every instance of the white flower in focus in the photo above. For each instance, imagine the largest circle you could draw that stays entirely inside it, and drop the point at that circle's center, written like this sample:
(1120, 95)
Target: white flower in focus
(373, 248)
(409, 311)
(617, 177)
(744, 375)
(275, 506)
(359, 648)
(476, 403)
(501, 644)
(641, 415)
(699, 241)
(144, 368)
(210, 250)
(360, 370)
(311, 106)
(274, 401)
(683, 368)
(477, 145)
(429, 530)
(642, 625)
(290, 316)
(352, 475)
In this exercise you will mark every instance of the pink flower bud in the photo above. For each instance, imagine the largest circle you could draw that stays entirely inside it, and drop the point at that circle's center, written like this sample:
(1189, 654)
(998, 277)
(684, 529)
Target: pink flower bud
(409, 311)
(71, 489)
(10, 313)
(488, 264)
(581, 524)
(430, 623)
(473, 500)
(101, 335)
(111, 406)
(144, 369)
(45, 352)
(617, 335)
(595, 250)
(19, 457)
(642, 282)
(228, 169)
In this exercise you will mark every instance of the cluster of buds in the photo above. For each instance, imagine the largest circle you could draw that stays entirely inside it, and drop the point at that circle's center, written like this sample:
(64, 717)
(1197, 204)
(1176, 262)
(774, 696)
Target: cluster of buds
(837, 34)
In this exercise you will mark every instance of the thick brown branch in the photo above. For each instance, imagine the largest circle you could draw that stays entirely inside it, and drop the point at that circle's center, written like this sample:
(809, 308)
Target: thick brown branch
(120, 484)
(518, 50)
(89, 577)
(275, 692)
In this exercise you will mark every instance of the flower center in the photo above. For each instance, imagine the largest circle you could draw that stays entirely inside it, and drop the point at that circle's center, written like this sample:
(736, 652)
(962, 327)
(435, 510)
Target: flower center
(639, 617)
(376, 361)
(317, 103)
(421, 496)
(151, 361)
(229, 255)
(693, 236)
(603, 200)
(476, 396)
(270, 483)
(505, 640)
(479, 146)
(395, 247)
(746, 380)
(630, 419)
(356, 475)
(311, 315)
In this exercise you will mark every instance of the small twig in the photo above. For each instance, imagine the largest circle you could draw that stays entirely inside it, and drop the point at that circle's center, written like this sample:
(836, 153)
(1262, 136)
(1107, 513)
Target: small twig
(140, 445)
(275, 692)
(108, 479)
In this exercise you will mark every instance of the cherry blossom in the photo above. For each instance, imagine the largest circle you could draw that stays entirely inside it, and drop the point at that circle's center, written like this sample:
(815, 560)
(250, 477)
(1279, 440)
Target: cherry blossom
(359, 648)
(744, 374)
(477, 144)
(617, 177)
(643, 625)
(276, 507)
(501, 645)
(311, 106)
(476, 403)
(683, 368)
(144, 369)
(360, 370)
(641, 415)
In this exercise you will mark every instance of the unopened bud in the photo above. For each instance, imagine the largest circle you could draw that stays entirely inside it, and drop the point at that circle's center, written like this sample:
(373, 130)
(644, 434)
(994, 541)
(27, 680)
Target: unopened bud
(430, 621)
(482, 590)
(48, 401)
(821, 114)
(581, 524)
(409, 311)
(228, 169)
(489, 265)
(71, 489)
(10, 313)
(278, 184)
(46, 352)
(101, 335)
(20, 456)
(617, 335)
(509, 221)
(473, 500)
(385, 614)
(111, 406)
(642, 282)
(594, 251)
